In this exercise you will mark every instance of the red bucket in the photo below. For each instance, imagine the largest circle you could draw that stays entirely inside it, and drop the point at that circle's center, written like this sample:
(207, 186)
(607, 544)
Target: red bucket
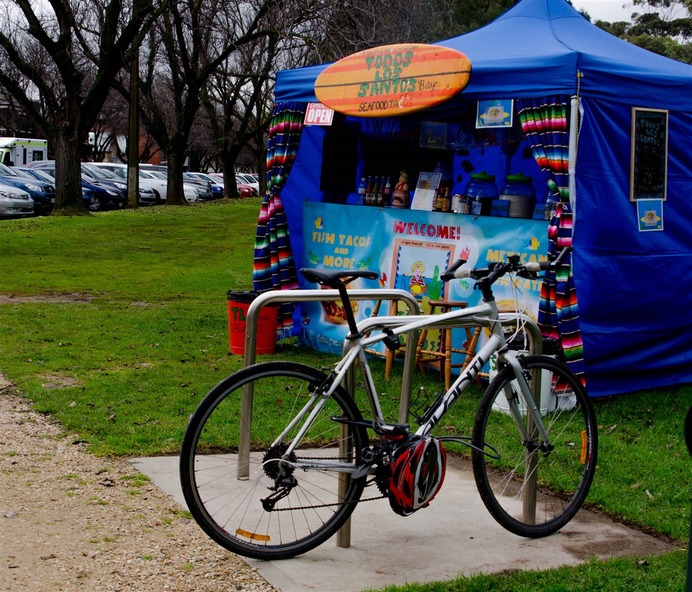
(265, 339)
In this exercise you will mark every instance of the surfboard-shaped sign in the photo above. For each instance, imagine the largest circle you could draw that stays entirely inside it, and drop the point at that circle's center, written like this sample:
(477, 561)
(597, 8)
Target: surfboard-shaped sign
(393, 80)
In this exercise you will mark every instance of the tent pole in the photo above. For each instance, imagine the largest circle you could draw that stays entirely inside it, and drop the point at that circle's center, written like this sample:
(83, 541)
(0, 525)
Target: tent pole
(572, 151)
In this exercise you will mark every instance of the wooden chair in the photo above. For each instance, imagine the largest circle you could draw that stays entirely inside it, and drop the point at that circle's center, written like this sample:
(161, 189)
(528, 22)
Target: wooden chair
(440, 356)
(443, 354)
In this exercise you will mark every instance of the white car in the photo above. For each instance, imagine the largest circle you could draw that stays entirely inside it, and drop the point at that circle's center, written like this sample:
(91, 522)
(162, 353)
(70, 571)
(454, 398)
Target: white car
(192, 191)
(157, 185)
(14, 202)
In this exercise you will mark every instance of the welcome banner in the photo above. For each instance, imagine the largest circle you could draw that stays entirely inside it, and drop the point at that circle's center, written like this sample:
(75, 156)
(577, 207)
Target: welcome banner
(410, 250)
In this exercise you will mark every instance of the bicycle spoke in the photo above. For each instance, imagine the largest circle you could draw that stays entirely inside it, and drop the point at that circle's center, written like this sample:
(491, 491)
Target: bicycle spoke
(285, 507)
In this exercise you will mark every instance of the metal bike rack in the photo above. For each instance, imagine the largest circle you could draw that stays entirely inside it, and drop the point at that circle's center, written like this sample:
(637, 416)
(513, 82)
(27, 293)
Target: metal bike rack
(278, 296)
(343, 537)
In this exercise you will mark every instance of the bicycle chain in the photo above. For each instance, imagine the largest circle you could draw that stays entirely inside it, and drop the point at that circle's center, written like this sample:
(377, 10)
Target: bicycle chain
(293, 508)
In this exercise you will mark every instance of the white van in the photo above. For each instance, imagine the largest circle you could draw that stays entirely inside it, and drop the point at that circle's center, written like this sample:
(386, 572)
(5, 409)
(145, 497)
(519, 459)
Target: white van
(22, 151)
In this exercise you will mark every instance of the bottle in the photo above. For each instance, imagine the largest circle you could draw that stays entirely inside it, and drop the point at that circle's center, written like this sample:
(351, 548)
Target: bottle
(387, 192)
(446, 201)
(476, 206)
(455, 205)
(362, 188)
(369, 197)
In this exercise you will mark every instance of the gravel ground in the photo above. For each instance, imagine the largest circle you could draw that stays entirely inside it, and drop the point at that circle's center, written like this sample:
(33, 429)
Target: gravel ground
(71, 521)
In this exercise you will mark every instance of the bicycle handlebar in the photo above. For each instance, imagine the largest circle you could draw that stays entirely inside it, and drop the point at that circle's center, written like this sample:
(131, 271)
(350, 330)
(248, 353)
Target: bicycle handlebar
(496, 270)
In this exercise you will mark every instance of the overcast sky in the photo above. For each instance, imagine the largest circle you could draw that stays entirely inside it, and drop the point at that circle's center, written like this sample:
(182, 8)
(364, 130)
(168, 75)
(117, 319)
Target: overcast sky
(606, 10)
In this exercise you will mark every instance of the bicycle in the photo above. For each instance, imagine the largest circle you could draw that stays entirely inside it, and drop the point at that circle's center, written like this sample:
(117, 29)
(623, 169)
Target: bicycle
(312, 456)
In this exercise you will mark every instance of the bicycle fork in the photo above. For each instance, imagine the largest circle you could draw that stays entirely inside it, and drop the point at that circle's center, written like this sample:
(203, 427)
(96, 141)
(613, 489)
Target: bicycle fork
(532, 410)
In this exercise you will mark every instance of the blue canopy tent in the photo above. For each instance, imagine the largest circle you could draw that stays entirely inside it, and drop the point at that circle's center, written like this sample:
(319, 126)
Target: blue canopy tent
(634, 287)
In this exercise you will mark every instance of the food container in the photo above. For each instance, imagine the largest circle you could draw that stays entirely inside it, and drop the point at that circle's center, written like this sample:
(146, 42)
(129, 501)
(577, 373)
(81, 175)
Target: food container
(482, 191)
(519, 191)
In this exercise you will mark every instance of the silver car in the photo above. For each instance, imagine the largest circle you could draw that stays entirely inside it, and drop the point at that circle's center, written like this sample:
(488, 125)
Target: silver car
(14, 202)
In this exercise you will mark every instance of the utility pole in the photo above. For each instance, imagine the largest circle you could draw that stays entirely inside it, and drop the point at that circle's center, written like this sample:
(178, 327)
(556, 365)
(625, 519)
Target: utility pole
(133, 136)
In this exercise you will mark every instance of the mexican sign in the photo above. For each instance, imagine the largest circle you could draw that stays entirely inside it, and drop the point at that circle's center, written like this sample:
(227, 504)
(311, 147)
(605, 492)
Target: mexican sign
(410, 249)
(393, 79)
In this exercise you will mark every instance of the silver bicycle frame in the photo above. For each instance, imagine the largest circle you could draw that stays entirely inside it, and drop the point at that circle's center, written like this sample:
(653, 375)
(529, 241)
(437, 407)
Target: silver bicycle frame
(470, 317)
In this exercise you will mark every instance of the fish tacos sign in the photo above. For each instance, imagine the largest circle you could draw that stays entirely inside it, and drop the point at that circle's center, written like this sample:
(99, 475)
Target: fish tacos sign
(393, 79)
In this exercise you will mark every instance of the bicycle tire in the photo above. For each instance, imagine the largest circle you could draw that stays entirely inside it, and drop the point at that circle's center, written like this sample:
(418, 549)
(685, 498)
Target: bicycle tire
(562, 475)
(230, 509)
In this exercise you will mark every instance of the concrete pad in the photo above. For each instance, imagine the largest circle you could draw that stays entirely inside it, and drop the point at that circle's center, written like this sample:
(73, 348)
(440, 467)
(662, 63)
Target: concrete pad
(455, 535)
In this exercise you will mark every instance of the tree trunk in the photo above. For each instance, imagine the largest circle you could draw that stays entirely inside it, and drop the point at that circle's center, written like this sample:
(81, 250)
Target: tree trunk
(176, 193)
(68, 175)
(229, 182)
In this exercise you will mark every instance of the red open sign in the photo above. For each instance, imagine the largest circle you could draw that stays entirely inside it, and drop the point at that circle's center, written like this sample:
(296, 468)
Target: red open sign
(318, 114)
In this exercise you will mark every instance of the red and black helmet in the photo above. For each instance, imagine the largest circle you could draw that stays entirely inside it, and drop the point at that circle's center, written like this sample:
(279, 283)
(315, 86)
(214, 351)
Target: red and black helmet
(418, 470)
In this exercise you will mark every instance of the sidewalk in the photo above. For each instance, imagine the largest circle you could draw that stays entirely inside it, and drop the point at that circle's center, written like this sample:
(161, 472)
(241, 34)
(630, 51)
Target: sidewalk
(454, 536)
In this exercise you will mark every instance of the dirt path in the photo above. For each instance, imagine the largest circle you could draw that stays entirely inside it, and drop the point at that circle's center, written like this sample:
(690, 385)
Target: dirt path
(70, 521)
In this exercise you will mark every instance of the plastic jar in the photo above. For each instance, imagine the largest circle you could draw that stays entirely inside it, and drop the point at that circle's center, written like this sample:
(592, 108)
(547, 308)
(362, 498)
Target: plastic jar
(519, 191)
(481, 189)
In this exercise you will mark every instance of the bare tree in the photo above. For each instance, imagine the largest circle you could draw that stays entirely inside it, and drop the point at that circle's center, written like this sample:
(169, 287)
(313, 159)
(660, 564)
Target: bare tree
(111, 124)
(234, 101)
(188, 44)
(238, 97)
(349, 26)
(58, 59)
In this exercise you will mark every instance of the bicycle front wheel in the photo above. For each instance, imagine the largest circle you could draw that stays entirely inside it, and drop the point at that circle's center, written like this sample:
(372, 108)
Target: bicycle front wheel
(533, 489)
(272, 505)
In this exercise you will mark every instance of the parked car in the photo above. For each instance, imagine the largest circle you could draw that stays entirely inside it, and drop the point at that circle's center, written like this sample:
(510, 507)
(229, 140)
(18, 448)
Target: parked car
(244, 190)
(146, 181)
(248, 179)
(42, 193)
(43, 175)
(217, 187)
(146, 196)
(206, 185)
(97, 195)
(193, 191)
(14, 202)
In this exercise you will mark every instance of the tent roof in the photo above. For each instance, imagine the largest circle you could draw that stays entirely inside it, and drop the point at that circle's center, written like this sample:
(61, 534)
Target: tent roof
(537, 48)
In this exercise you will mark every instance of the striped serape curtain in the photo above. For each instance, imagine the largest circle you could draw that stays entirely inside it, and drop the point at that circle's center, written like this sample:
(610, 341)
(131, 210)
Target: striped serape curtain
(274, 267)
(545, 123)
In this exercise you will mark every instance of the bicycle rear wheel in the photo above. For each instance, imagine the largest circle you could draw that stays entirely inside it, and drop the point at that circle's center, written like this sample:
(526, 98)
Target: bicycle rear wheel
(530, 491)
(314, 500)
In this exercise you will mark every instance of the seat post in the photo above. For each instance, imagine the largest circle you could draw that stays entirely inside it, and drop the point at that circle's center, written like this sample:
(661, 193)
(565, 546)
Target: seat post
(348, 309)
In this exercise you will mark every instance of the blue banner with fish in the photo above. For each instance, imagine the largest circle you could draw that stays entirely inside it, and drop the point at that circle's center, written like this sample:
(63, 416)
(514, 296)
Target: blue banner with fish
(410, 249)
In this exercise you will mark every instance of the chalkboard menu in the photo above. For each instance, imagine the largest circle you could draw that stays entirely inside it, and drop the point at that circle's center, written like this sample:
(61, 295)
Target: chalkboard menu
(649, 163)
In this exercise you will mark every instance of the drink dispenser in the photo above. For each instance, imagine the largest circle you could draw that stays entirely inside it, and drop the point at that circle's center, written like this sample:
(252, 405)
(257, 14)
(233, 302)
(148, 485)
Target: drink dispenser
(519, 191)
(481, 191)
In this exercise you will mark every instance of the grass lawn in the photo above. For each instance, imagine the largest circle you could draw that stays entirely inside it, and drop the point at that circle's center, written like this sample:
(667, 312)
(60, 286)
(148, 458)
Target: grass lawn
(116, 324)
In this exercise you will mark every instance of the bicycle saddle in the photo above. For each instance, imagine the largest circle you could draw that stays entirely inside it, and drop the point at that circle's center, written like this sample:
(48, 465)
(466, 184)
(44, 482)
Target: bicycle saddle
(332, 277)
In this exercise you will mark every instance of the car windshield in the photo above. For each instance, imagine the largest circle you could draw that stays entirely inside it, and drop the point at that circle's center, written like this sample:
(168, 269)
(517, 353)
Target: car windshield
(205, 177)
(120, 172)
(37, 174)
(97, 172)
(7, 171)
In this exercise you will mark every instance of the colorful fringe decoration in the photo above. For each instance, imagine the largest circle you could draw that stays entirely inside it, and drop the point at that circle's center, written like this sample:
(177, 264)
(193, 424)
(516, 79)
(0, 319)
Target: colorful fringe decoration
(274, 266)
(545, 123)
